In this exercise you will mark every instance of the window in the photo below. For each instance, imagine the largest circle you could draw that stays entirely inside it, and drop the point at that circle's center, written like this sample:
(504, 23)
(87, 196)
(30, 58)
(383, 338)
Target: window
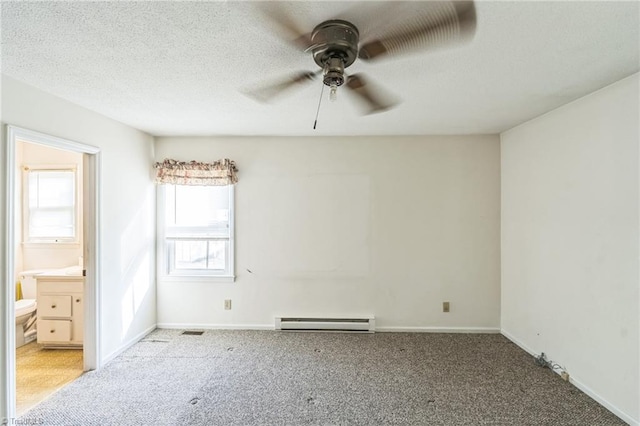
(50, 205)
(197, 231)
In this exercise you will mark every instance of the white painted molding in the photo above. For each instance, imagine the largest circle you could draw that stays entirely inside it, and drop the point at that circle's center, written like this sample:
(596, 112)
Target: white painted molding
(92, 254)
(474, 330)
(518, 342)
(127, 345)
(578, 383)
(32, 136)
(180, 326)
(9, 367)
(92, 323)
(470, 330)
(606, 404)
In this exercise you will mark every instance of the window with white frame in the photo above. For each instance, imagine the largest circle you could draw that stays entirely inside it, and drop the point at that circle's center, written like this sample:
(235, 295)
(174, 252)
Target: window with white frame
(50, 206)
(197, 231)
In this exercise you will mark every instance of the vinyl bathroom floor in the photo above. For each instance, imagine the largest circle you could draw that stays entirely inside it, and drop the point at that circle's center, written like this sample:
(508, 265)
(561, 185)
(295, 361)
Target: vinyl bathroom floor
(40, 372)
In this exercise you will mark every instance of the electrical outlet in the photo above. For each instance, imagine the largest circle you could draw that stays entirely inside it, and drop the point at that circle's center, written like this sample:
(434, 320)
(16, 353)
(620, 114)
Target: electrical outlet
(227, 304)
(565, 376)
(445, 306)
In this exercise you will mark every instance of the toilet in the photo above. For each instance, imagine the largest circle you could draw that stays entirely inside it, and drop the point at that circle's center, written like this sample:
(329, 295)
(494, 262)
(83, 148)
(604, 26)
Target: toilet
(26, 309)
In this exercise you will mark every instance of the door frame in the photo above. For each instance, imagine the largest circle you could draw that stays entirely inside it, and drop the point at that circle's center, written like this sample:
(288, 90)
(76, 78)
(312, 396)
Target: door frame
(91, 196)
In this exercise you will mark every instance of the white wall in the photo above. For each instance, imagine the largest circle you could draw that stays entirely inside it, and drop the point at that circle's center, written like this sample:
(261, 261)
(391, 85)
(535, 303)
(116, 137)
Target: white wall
(391, 226)
(36, 256)
(570, 270)
(128, 205)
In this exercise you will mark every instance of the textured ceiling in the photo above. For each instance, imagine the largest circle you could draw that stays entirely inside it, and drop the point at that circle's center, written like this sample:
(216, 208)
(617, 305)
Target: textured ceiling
(179, 68)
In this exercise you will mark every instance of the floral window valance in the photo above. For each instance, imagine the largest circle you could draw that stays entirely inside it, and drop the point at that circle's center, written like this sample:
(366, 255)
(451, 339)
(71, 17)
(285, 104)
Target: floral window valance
(219, 173)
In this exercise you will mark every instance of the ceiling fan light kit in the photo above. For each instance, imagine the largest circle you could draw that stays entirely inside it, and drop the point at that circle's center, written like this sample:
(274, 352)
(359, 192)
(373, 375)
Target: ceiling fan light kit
(334, 47)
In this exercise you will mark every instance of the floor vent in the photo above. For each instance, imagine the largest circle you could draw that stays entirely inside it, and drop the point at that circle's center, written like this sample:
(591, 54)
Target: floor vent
(365, 324)
(192, 333)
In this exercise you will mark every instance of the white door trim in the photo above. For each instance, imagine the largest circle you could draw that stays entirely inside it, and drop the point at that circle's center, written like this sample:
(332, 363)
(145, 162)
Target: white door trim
(91, 251)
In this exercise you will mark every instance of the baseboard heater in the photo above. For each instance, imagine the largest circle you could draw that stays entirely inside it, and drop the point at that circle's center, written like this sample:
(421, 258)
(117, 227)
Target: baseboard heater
(366, 324)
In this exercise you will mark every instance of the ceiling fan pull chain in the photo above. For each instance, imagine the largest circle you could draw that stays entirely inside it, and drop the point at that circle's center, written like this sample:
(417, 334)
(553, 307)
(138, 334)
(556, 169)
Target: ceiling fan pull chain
(318, 110)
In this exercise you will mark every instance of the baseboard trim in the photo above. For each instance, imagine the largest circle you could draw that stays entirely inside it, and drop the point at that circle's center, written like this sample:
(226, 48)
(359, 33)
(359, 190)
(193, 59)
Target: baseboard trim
(468, 330)
(518, 342)
(127, 345)
(579, 384)
(181, 326)
(473, 330)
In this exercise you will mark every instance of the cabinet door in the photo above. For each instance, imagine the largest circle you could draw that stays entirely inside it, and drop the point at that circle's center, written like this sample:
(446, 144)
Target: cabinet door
(77, 320)
(54, 331)
(54, 306)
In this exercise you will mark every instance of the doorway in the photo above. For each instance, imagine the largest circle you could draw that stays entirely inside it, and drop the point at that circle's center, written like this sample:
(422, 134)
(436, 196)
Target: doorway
(89, 247)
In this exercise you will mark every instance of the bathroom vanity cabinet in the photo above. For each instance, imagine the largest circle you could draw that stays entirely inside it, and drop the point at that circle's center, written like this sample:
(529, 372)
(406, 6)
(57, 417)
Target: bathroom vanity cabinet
(60, 310)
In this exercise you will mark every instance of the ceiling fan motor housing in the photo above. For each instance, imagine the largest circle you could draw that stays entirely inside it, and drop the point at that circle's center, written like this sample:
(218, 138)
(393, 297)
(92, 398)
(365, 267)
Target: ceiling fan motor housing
(334, 47)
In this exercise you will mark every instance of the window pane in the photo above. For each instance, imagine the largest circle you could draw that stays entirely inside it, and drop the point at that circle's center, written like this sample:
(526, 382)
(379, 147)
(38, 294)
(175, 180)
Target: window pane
(203, 255)
(197, 232)
(194, 211)
(51, 204)
(51, 223)
(51, 188)
(217, 255)
(198, 206)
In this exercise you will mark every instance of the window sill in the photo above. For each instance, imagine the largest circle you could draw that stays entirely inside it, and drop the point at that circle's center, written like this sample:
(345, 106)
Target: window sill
(51, 244)
(196, 279)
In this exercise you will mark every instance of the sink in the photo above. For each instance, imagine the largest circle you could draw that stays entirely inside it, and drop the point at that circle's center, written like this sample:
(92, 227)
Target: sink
(73, 270)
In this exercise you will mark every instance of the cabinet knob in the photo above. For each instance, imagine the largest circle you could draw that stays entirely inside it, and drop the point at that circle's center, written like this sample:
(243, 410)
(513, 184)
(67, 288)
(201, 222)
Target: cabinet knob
(77, 300)
(53, 306)
(53, 331)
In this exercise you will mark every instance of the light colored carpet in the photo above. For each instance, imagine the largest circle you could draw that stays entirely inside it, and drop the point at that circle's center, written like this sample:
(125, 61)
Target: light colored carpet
(274, 378)
(40, 372)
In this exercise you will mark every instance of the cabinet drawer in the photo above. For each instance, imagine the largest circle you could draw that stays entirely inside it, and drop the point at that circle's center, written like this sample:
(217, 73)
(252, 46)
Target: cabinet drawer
(54, 331)
(54, 306)
(60, 286)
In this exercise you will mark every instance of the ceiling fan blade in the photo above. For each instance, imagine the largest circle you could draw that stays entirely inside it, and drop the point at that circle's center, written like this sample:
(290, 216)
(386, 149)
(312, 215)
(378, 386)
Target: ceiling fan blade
(271, 91)
(444, 24)
(371, 15)
(375, 99)
(284, 25)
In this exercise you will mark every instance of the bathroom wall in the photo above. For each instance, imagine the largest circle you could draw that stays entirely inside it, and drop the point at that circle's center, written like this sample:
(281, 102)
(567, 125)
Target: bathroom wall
(44, 255)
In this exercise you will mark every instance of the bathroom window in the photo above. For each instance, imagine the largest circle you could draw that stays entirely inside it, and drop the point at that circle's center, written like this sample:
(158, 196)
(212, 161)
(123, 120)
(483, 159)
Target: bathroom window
(198, 231)
(50, 205)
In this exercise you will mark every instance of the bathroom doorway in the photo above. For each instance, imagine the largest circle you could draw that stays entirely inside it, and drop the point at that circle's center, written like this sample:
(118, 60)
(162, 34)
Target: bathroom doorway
(49, 241)
(53, 195)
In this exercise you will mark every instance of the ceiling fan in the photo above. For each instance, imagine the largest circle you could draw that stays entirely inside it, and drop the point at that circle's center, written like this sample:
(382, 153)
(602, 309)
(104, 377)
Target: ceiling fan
(335, 45)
